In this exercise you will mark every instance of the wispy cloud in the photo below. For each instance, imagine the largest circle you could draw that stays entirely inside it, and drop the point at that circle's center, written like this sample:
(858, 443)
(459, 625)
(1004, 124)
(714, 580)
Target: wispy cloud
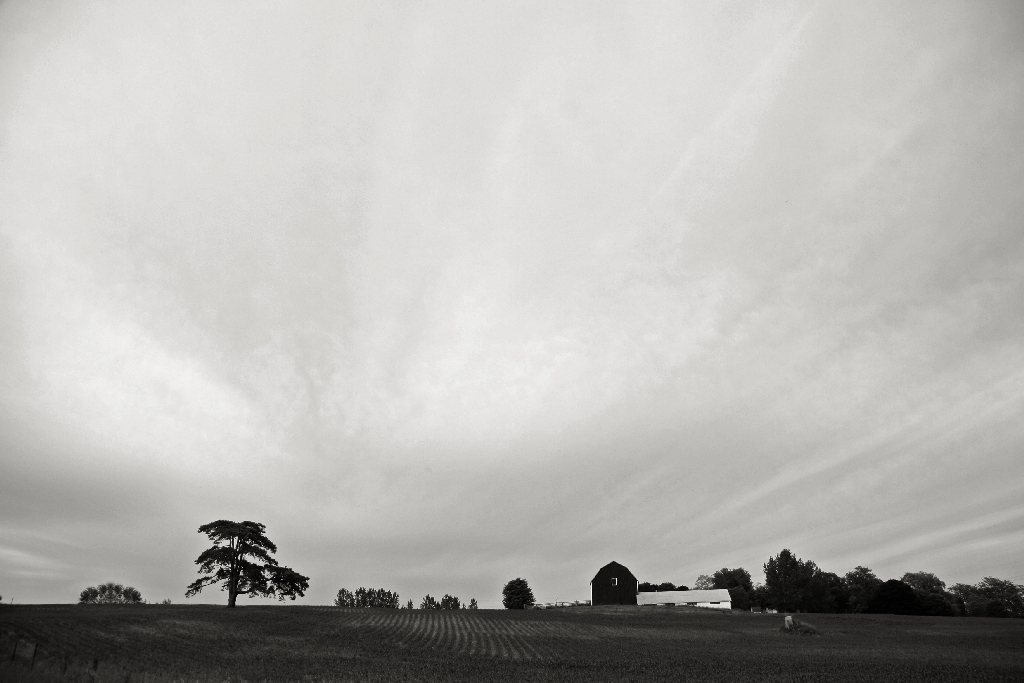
(438, 292)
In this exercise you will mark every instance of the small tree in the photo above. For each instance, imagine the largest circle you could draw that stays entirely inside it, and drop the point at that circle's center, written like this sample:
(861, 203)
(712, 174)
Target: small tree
(408, 605)
(472, 604)
(345, 598)
(703, 583)
(737, 582)
(517, 594)
(450, 602)
(240, 559)
(428, 602)
(110, 594)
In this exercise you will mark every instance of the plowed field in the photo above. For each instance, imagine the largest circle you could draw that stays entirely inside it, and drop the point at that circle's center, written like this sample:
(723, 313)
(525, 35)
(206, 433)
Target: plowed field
(327, 643)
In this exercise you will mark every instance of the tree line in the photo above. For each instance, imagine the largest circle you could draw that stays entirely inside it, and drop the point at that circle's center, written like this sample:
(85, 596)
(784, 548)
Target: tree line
(796, 585)
(381, 597)
(241, 562)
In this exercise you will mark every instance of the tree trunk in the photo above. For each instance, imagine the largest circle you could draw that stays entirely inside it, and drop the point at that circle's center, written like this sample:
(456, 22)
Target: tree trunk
(233, 585)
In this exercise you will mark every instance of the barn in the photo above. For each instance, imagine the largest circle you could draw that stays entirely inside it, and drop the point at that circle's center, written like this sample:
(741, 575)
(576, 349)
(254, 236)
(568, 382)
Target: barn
(714, 599)
(613, 584)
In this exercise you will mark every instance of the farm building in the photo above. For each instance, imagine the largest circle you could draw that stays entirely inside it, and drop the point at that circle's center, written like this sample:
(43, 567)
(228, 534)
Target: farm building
(715, 599)
(613, 584)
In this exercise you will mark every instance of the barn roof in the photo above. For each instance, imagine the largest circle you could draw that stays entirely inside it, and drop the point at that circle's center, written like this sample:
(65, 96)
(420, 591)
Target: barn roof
(614, 566)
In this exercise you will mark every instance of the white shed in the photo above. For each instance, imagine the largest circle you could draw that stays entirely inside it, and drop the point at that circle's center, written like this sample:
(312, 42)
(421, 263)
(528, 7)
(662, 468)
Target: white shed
(714, 599)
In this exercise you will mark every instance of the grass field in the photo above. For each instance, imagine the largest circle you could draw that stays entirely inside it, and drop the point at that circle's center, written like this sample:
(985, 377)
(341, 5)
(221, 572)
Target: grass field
(327, 643)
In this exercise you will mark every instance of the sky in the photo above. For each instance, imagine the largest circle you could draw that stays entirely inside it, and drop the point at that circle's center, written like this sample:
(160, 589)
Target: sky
(451, 293)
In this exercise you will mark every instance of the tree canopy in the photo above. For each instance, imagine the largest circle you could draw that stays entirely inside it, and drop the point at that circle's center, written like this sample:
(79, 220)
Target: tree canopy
(861, 585)
(788, 581)
(110, 594)
(517, 594)
(703, 582)
(450, 602)
(737, 582)
(990, 597)
(647, 586)
(894, 597)
(924, 581)
(795, 585)
(240, 559)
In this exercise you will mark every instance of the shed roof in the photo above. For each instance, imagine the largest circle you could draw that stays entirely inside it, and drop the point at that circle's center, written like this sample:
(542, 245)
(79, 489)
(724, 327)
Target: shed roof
(677, 597)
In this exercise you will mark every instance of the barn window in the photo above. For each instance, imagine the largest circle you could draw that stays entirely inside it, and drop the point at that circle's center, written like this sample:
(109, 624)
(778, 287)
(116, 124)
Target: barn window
(615, 582)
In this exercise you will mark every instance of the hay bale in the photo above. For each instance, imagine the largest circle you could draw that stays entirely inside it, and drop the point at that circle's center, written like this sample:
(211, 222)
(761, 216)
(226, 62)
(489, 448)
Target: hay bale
(25, 652)
(795, 627)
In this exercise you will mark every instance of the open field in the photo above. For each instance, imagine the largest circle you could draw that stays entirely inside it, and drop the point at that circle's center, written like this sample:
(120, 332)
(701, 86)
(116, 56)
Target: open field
(326, 643)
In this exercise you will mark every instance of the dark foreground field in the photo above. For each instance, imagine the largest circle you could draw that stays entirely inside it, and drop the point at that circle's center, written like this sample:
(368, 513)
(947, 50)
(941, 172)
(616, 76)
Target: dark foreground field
(325, 643)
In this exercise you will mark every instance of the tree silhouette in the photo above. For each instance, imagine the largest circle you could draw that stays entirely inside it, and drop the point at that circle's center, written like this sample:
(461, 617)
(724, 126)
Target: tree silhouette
(240, 559)
(110, 594)
(517, 594)
(450, 602)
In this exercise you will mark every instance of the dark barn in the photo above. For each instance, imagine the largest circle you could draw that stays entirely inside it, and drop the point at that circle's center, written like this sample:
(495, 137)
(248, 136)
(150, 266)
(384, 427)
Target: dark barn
(613, 585)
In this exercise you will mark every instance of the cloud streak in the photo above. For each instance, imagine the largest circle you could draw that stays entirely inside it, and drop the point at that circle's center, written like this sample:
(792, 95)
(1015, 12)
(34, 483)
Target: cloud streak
(447, 296)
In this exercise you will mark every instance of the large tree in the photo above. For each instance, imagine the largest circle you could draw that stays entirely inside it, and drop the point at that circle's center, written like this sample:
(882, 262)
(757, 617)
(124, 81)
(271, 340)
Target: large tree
(862, 584)
(788, 582)
(894, 597)
(241, 561)
(932, 597)
(517, 594)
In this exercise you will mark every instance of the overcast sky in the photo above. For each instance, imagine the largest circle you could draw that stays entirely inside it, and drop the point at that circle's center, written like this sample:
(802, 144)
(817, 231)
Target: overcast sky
(449, 293)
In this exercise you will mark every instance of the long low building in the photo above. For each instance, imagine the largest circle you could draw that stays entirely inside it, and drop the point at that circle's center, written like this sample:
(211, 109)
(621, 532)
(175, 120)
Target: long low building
(714, 599)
